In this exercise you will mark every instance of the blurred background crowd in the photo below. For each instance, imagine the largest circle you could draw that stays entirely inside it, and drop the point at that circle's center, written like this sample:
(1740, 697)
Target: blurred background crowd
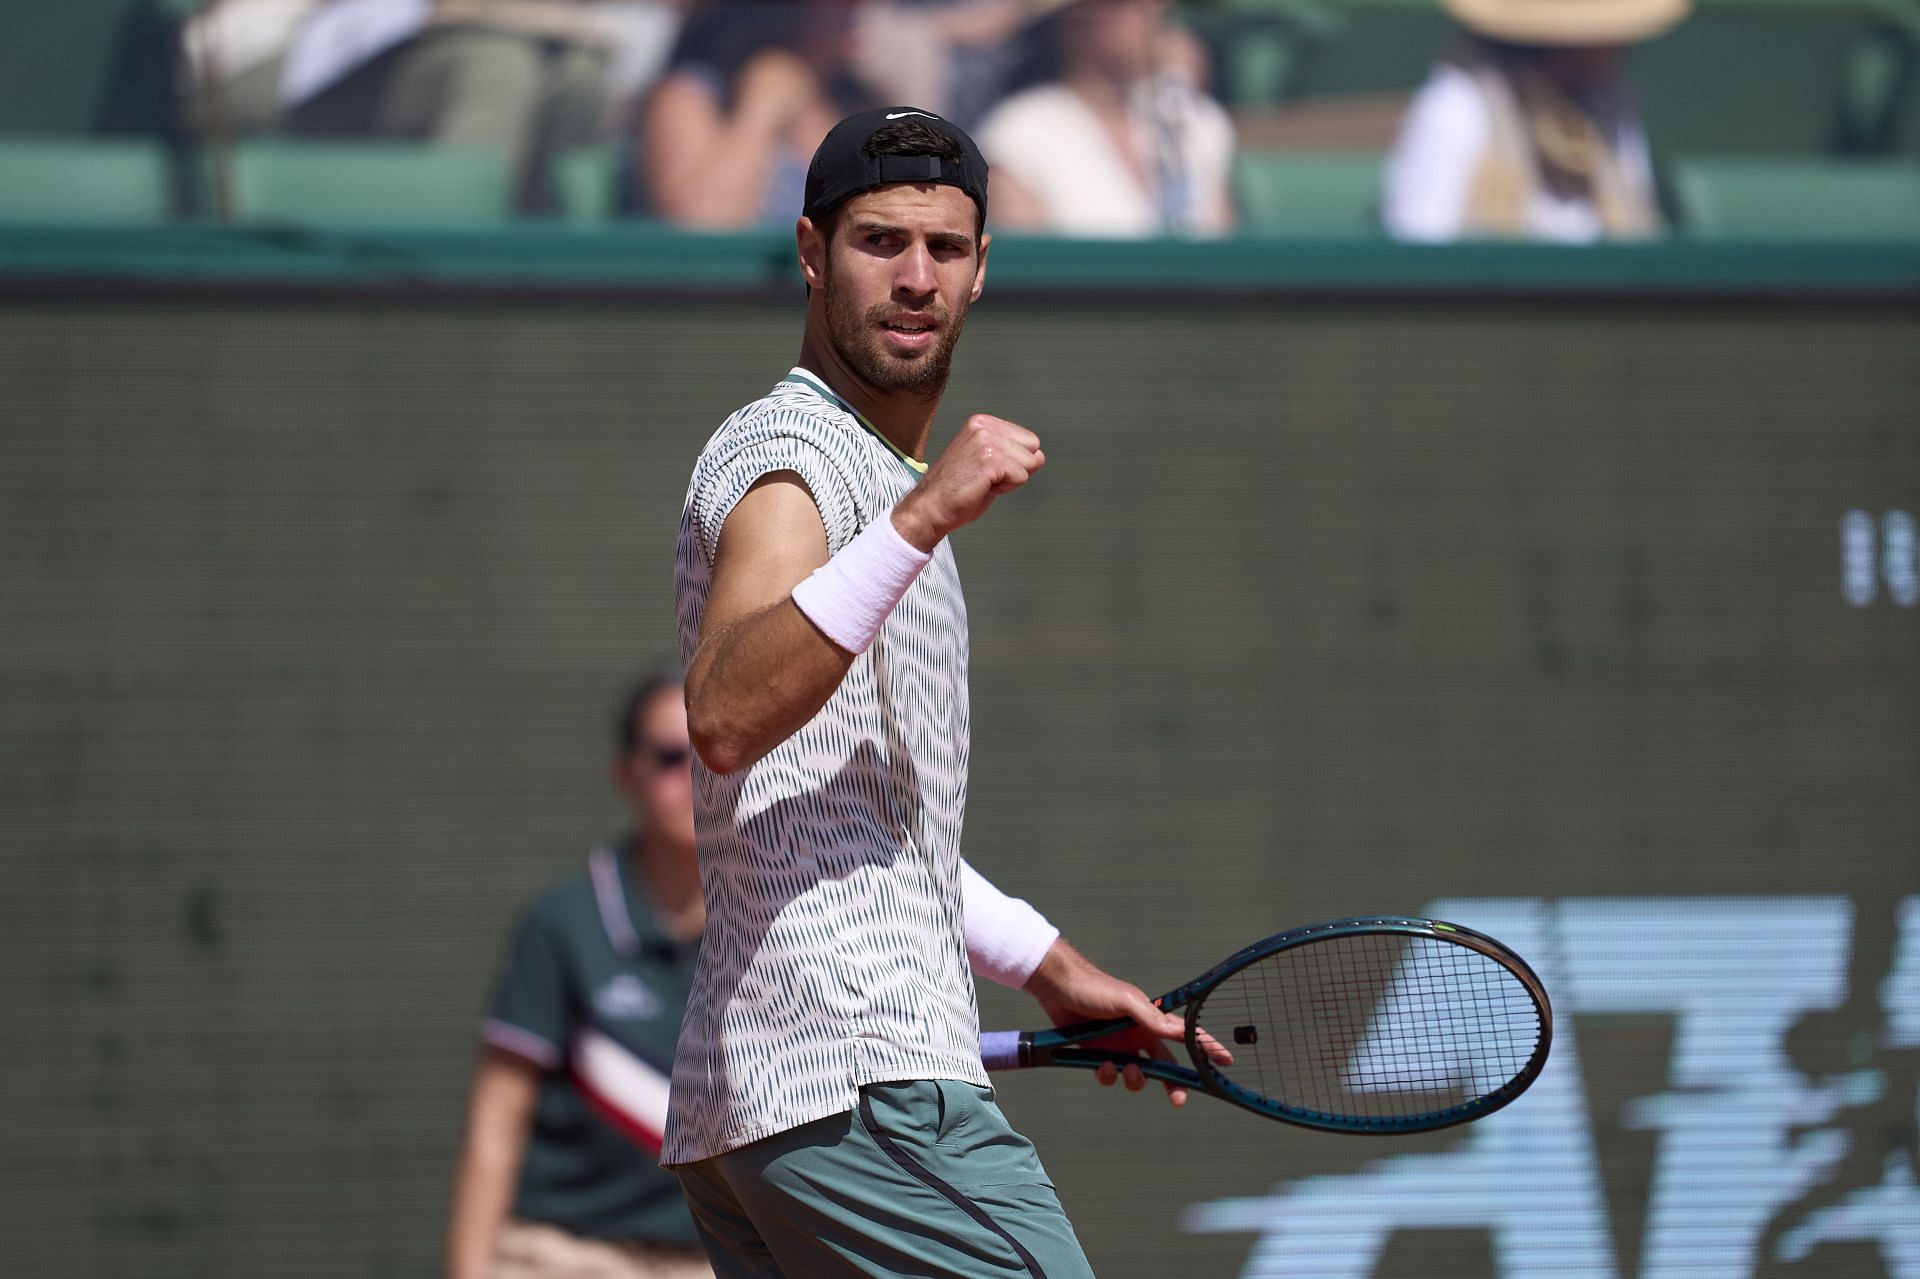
(1427, 120)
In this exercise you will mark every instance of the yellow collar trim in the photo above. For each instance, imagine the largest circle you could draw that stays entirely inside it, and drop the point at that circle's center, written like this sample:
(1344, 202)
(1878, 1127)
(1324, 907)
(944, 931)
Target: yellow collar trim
(802, 376)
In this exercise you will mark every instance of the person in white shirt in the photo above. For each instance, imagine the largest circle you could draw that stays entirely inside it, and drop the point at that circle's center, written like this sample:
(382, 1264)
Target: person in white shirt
(531, 78)
(1528, 130)
(1123, 145)
(233, 52)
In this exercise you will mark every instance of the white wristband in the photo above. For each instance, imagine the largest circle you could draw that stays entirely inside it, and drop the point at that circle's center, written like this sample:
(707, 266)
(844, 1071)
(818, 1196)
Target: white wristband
(1006, 937)
(850, 595)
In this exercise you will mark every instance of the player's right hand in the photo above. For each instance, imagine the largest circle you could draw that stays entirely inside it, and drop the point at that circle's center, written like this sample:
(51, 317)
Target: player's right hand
(988, 457)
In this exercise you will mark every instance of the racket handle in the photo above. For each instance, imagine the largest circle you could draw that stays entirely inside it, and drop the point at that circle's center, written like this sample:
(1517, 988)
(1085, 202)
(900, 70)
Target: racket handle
(1001, 1050)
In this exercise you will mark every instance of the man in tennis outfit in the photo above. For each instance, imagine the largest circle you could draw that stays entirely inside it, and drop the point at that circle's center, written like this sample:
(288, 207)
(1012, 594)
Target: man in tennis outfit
(829, 1114)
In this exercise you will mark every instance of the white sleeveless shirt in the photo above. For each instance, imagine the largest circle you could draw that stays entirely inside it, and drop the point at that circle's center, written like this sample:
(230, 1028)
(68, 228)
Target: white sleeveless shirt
(834, 953)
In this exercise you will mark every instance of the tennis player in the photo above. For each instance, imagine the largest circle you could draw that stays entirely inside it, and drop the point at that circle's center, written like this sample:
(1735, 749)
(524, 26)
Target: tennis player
(829, 1115)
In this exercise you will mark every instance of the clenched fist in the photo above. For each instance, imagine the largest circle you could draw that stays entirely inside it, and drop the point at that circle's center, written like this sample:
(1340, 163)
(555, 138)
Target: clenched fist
(989, 456)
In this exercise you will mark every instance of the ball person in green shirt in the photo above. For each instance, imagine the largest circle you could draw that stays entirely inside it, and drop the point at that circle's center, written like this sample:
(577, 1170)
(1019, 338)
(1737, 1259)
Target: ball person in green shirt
(558, 1173)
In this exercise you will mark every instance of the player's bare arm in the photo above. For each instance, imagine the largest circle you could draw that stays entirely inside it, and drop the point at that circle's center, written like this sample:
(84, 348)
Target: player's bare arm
(762, 669)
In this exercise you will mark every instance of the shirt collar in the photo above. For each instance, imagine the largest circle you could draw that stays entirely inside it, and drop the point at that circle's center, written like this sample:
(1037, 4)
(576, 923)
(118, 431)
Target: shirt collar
(610, 895)
(807, 378)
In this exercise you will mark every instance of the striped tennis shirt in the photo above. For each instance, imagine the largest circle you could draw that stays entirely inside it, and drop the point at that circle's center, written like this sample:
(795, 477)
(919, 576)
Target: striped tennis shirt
(834, 953)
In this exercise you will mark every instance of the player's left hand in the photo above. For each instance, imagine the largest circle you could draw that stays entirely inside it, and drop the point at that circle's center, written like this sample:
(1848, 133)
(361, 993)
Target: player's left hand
(1071, 988)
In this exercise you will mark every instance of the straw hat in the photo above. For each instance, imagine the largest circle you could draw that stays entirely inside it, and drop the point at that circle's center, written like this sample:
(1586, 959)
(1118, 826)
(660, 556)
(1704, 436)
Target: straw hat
(1568, 22)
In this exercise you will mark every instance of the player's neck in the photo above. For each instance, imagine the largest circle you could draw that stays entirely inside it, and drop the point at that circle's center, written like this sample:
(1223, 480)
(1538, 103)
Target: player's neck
(906, 420)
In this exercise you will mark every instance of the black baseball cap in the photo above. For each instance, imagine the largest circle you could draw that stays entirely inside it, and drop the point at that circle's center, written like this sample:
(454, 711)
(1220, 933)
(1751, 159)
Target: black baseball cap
(842, 168)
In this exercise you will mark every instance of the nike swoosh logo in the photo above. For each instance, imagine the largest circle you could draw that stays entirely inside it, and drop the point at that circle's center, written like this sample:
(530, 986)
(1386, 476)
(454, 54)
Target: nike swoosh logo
(895, 115)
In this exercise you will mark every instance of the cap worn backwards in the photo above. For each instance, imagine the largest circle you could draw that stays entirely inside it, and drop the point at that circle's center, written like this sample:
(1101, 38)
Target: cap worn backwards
(843, 167)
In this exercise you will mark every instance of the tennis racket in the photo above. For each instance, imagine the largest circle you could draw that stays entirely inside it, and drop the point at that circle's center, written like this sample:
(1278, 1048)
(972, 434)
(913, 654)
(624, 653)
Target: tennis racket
(1378, 1025)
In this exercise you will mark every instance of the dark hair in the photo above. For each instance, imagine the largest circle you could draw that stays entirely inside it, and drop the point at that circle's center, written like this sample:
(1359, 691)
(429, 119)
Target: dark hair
(626, 729)
(910, 137)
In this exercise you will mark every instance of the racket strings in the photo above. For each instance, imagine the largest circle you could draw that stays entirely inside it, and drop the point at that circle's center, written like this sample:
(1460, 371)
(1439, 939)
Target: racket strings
(1375, 1026)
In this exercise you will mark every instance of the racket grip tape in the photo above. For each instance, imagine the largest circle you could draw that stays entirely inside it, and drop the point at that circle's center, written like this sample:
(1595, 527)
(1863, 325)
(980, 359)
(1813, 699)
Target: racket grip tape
(1002, 1050)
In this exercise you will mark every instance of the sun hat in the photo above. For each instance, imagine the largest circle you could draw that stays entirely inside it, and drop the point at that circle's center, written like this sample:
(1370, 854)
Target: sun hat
(1568, 23)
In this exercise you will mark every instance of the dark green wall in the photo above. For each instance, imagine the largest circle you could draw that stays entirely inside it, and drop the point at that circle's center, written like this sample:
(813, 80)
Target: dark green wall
(314, 610)
(62, 60)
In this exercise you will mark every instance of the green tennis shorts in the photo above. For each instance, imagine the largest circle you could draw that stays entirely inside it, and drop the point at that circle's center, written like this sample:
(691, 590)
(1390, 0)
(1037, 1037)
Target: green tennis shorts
(925, 1178)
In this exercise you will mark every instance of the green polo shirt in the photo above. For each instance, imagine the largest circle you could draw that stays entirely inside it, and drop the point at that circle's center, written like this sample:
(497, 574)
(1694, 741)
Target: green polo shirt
(592, 992)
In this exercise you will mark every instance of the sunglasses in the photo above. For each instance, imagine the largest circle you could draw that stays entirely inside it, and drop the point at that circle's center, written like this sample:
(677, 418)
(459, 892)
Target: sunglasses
(664, 757)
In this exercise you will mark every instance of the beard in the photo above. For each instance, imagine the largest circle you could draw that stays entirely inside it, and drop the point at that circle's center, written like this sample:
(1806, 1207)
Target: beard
(856, 338)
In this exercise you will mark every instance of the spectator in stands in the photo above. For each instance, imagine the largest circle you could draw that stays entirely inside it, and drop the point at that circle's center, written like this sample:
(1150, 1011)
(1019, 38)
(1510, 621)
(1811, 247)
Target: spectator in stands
(749, 93)
(529, 77)
(234, 50)
(1123, 143)
(557, 1175)
(1528, 130)
(954, 57)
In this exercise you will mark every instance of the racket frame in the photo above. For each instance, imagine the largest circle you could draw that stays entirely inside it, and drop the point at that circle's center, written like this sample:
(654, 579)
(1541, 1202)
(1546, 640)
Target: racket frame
(1064, 1045)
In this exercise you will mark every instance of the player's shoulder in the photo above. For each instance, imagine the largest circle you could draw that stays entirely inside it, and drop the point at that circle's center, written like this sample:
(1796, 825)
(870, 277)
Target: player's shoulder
(794, 409)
